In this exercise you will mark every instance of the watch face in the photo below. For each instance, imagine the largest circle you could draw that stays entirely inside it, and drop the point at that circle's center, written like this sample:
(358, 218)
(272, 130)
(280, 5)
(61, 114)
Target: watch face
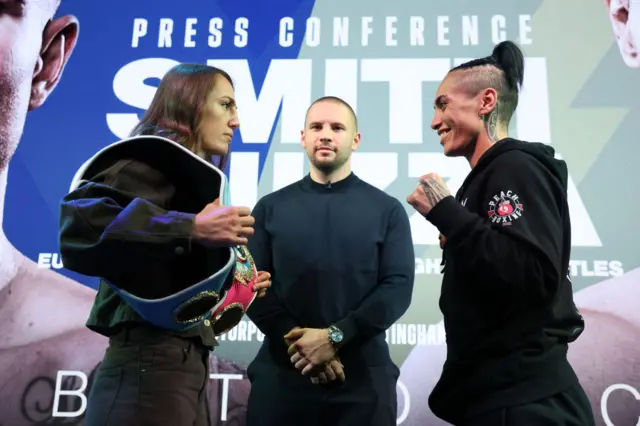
(336, 336)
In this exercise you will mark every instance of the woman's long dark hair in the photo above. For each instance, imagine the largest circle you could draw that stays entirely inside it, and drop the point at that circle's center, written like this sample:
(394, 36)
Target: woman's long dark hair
(176, 109)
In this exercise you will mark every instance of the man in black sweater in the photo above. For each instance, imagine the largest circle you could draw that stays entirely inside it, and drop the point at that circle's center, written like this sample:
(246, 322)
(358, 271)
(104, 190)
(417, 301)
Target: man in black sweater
(506, 295)
(341, 259)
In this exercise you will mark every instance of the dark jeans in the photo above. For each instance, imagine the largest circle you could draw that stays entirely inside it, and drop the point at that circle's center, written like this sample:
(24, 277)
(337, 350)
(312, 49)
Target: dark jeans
(568, 408)
(149, 378)
(283, 397)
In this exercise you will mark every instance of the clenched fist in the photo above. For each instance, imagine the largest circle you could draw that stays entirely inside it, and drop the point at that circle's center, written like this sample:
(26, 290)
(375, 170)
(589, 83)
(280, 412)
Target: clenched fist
(430, 191)
(218, 226)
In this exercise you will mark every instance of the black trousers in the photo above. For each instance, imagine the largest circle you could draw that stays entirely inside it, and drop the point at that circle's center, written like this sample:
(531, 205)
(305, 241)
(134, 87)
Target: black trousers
(284, 397)
(568, 408)
(150, 378)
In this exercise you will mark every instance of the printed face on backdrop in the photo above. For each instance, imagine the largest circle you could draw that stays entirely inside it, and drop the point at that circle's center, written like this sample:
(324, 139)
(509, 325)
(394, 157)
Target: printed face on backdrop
(330, 135)
(457, 114)
(33, 52)
(625, 19)
(219, 118)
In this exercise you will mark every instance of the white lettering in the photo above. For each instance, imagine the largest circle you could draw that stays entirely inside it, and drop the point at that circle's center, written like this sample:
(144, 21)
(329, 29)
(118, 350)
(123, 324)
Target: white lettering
(224, 399)
(242, 35)
(443, 30)
(533, 123)
(406, 121)
(44, 260)
(74, 392)
(406, 397)
(259, 112)
(428, 266)
(498, 33)
(312, 34)
(533, 119)
(413, 334)
(470, 32)
(288, 167)
(436, 334)
(140, 27)
(596, 268)
(252, 331)
(341, 80)
(405, 78)
(601, 268)
(129, 88)
(615, 268)
(243, 178)
(238, 333)
(164, 34)
(246, 331)
(366, 30)
(604, 406)
(417, 30)
(380, 169)
(189, 32)
(340, 31)
(215, 37)
(57, 411)
(50, 260)
(391, 31)
(285, 36)
(525, 30)
(408, 334)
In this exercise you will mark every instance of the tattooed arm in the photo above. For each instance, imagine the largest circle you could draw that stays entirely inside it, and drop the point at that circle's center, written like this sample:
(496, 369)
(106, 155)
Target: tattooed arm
(531, 241)
(429, 193)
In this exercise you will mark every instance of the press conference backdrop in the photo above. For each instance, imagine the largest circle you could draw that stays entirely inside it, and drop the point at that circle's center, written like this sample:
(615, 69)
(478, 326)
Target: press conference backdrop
(386, 60)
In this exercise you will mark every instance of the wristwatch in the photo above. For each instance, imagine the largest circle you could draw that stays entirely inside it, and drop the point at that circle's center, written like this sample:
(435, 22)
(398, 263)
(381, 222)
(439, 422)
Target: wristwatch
(335, 335)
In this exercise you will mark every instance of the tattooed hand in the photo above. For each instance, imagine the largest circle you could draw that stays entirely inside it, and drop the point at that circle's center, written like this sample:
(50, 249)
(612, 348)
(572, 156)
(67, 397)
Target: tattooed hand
(431, 190)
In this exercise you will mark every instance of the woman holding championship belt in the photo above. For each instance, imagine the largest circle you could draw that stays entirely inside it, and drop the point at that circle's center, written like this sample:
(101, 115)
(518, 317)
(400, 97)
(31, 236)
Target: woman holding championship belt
(150, 216)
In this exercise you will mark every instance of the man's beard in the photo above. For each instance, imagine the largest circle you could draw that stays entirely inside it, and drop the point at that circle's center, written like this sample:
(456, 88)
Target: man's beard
(328, 167)
(325, 168)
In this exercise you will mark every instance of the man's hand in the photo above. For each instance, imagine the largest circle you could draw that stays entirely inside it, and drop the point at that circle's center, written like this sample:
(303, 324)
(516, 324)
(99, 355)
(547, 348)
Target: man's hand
(334, 370)
(314, 347)
(217, 226)
(262, 283)
(428, 194)
(290, 342)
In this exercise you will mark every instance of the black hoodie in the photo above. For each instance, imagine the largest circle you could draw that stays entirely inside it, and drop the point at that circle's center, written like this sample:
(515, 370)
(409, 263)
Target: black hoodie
(507, 298)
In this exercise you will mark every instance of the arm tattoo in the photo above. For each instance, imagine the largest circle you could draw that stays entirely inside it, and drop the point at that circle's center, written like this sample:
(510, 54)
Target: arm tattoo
(434, 191)
(491, 125)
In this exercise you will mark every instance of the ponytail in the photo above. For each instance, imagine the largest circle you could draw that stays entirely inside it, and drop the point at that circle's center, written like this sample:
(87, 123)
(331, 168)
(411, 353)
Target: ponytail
(509, 58)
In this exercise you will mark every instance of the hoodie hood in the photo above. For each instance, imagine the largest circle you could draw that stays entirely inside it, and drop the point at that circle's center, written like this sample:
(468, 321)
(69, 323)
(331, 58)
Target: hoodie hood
(541, 152)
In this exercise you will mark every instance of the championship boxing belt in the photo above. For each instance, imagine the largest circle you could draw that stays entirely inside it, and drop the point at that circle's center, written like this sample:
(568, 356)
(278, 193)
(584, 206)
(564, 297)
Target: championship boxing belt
(225, 291)
(239, 297)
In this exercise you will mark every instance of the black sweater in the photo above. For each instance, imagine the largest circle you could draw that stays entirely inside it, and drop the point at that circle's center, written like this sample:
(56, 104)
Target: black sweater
(506, 295)
(339, 254)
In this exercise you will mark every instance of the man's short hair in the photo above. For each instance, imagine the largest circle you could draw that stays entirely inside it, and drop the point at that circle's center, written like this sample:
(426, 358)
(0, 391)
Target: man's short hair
(338, 101)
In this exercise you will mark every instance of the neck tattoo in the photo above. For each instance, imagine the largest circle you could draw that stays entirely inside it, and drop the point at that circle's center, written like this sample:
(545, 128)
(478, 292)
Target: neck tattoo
(491, 125)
